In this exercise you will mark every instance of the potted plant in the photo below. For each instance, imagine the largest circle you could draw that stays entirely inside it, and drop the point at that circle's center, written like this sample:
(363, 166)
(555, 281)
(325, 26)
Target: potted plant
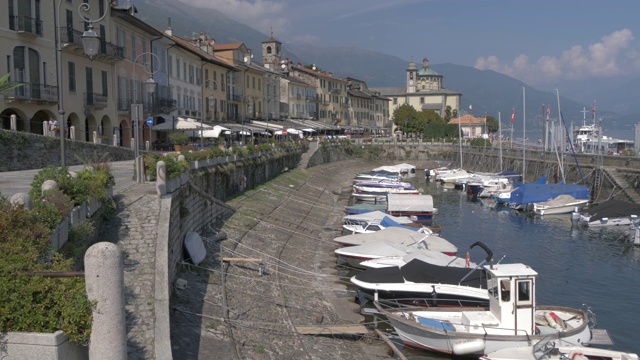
(178, 139)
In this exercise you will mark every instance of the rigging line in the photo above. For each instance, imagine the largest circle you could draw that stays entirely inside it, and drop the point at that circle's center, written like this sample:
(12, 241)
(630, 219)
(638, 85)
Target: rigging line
(314, 238)
(286, 267)
(250, 248)
(266, 281)
(573, 151)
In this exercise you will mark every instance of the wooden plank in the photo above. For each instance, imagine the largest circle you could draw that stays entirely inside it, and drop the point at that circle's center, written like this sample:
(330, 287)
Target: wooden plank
(600, 337)
(332, 330)
(242, 260)
(391, 344)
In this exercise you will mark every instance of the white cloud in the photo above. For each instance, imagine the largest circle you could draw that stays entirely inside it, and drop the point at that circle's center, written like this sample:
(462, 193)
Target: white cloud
(262, 15)
(612, 56)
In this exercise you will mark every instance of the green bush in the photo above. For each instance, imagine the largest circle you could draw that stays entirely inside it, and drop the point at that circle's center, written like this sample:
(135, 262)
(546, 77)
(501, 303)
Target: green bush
(36, 303)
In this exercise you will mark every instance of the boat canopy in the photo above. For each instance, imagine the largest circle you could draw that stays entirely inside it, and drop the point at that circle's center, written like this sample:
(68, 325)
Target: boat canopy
(377, 215)
(414, 203)
(613, 209)
(533, 193)
(418, 271)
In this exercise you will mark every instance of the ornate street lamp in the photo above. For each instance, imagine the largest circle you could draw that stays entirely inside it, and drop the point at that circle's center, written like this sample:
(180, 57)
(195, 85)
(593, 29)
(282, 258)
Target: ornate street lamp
(91, 46)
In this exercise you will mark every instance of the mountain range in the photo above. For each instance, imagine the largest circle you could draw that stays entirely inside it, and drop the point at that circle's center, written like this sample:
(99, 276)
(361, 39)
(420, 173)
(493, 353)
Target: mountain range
(488, 91)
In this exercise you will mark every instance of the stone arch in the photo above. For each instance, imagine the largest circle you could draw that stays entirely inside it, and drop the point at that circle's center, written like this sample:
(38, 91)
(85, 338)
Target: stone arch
(90, 125)
(74, 120)
(38, 119)
(5, 115)
(125, 133)
(106, 128)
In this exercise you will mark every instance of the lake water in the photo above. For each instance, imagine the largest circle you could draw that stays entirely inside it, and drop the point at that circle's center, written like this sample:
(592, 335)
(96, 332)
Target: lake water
(599, 268)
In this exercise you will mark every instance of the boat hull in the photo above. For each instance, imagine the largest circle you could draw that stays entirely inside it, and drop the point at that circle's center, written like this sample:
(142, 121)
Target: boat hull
(440, 336)
(576, 206)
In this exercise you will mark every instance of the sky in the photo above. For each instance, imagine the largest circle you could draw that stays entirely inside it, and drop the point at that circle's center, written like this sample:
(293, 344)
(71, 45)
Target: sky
(536, 41)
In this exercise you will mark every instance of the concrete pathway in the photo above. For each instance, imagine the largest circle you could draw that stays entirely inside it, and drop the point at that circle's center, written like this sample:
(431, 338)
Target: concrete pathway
(12, 182)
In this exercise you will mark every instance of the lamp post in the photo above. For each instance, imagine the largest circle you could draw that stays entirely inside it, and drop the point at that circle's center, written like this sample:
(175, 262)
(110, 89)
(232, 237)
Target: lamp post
(136, 109)
(90, 43)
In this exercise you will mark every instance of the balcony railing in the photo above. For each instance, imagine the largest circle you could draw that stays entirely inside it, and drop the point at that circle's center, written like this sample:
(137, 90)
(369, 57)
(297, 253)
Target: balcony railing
(28, 91)
(95, 100)
(25, 24)
(335, 91)
(124, 104)
(164, 105)
(311, 97)
(105, 50)
(235, 98)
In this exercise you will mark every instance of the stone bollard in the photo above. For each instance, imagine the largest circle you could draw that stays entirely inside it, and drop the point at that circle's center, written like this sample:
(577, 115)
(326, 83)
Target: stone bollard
(21, 199)
(45, 128)
(73, 174)
(96, 139)
(181, 158)
(161, 178)
(13, 122)
(49, 185)
(72, 132)
(104, 277)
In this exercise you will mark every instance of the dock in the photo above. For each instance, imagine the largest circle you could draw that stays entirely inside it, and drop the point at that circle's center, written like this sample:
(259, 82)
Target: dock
(354, 329)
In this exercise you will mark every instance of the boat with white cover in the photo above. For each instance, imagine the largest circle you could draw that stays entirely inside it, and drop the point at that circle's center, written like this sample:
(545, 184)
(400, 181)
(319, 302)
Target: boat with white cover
(513, 319)
(562, 204)
(354, 255)
(394, 234)
(360, 224)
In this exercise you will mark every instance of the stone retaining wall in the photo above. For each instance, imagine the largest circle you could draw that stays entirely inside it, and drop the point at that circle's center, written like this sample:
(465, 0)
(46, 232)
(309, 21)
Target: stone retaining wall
(25, 151)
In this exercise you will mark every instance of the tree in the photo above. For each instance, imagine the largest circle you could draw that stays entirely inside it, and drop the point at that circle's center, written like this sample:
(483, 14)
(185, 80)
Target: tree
(406, 118)
(447, 113)
(6, 85)
(492, 124)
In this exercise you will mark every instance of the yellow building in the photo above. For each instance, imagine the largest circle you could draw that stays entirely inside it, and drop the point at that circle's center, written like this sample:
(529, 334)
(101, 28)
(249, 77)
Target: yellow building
(423, 90)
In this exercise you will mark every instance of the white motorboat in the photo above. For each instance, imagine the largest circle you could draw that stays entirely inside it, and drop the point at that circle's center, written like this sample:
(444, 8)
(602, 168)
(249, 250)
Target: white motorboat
(429, 279)
(396, 234)
(452, 175)
(512, 319)
(610, 213)
(354, 255)
(360, 224)
(562, 204)
(547, 349)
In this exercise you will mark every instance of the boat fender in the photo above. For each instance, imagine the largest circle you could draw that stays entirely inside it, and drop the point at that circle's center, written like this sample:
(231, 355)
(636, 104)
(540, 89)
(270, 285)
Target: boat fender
(467, 261)
(475, 346)
(552, 319)
(578, 356)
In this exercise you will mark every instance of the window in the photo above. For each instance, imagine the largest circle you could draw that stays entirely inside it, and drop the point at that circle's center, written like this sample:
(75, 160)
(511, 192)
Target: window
(184, 70)
(525, 295)
(253, 82)
(247, 81)
(72, 77)
(395, 101)
(222, 82)
(105, 83)
(144, 54)
(134, 51)
(215, 76)
(191, 79)
(259, 84)
(421, 100)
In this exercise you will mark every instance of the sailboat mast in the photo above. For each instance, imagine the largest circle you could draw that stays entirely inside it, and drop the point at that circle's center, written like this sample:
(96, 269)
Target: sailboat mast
(500, 138)
(460, 134)
(524, 137)
(560, 121)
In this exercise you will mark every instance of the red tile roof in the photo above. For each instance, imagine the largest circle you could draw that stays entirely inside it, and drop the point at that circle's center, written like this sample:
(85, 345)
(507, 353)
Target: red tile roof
(468, 120)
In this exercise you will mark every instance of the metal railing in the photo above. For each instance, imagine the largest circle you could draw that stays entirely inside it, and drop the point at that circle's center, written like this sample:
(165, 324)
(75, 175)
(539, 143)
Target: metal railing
(95, 100)
(164, 105)
(72, 36)
(28, 91)
(25, 24)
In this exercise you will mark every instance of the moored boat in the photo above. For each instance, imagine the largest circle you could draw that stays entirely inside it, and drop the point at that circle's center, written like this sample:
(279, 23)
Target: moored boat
(512, 319)
(562, 204)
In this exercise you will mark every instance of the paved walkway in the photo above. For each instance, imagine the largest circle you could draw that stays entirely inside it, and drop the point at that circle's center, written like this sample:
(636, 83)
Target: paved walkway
(133, 227)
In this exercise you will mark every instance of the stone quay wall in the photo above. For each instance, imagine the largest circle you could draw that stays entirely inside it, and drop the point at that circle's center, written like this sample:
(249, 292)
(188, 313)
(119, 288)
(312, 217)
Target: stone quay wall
(198, 205)
(25, 151)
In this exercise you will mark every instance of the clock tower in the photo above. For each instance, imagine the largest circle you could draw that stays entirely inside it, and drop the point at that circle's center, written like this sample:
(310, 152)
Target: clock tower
(411, 78)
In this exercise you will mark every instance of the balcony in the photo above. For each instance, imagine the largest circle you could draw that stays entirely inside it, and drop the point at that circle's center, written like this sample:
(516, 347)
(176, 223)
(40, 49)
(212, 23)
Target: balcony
(33, 92)
(335, 91)
(124, 104)
(164, 105)
(96, 101)
(25, 25)
(311, 97)
(106, 51)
